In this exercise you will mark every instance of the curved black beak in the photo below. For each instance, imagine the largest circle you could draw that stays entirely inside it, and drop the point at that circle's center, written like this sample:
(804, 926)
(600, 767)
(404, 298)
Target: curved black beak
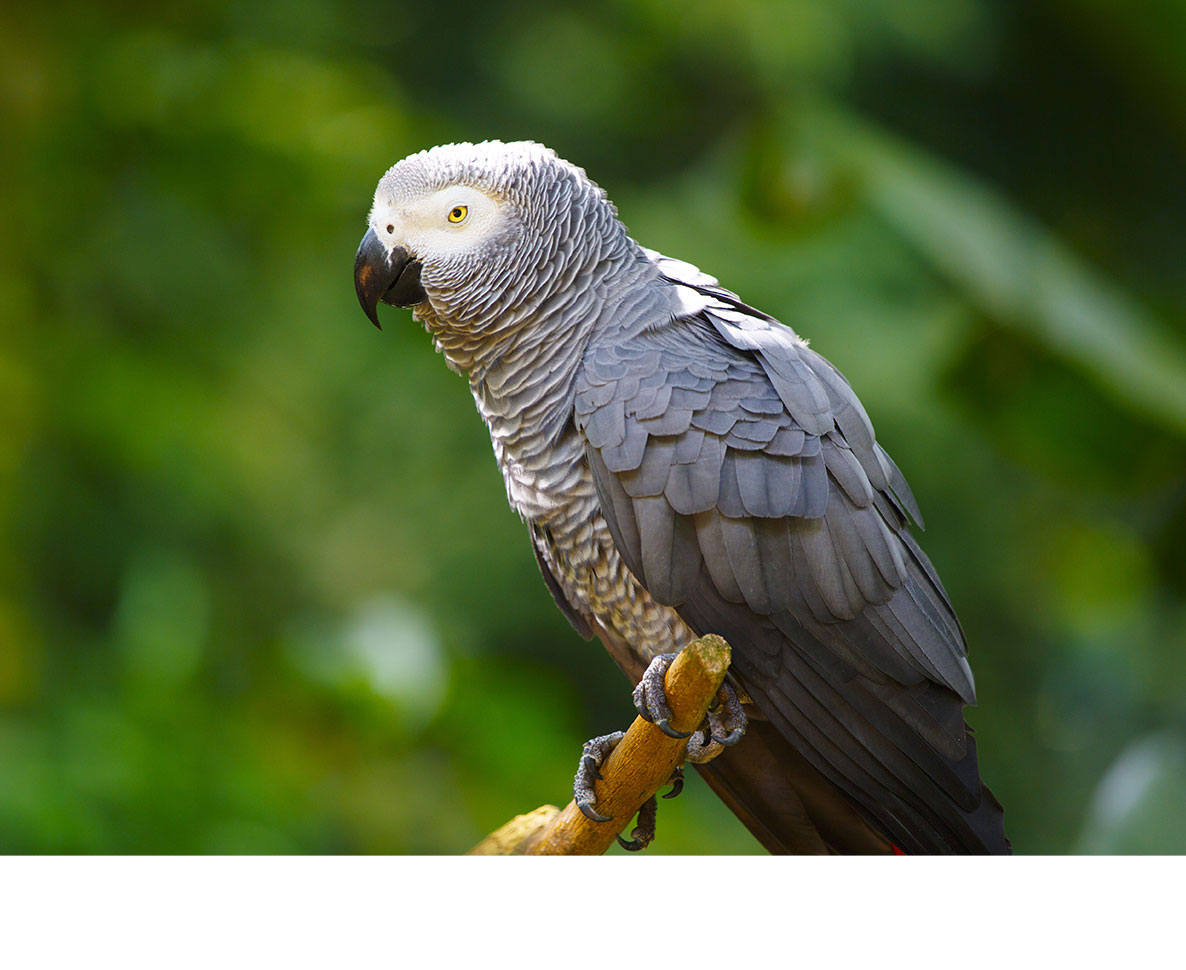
(393, 277)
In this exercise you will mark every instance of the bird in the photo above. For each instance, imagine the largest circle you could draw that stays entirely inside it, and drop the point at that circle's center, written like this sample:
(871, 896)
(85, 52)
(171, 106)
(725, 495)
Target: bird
(686, 464)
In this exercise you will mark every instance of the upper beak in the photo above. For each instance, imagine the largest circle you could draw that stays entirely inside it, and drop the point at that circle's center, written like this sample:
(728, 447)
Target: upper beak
(391, 276)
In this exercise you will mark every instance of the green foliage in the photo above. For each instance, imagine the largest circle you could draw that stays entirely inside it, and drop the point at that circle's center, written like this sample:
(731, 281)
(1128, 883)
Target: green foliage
(259, 587)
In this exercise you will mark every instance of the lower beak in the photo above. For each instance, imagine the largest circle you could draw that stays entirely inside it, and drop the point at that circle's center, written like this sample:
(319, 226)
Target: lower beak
(388, 275)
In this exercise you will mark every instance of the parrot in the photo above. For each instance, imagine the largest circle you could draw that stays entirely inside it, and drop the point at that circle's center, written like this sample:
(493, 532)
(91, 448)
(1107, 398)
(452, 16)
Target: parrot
(685, 464)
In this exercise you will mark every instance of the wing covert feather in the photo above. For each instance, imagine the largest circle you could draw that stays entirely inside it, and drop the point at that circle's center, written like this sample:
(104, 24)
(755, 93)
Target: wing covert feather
(741, 479)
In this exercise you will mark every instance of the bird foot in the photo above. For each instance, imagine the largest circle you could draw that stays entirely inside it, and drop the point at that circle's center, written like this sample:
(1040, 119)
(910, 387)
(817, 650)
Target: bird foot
(643, 834)
(593, 755)
(650, 696)
(589, 770)
(722, 727)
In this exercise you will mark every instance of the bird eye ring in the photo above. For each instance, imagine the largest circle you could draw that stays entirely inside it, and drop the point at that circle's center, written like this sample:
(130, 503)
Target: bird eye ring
(458, 213)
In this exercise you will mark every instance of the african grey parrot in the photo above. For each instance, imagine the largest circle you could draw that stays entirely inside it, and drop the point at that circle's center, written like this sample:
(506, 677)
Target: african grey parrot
(686, 465)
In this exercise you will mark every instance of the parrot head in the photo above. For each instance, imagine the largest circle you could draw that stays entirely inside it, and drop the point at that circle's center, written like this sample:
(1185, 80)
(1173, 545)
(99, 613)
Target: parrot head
(462, 231)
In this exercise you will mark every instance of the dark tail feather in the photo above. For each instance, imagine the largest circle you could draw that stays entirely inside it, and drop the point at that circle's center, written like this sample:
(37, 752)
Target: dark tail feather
(788, 806)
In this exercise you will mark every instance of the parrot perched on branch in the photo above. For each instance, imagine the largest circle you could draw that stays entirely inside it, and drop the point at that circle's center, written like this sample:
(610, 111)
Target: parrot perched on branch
(685, 465)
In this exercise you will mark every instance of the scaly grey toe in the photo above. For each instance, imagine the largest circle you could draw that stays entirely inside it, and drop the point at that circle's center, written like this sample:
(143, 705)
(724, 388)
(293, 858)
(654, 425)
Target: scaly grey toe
(650, 697)
(589, 770)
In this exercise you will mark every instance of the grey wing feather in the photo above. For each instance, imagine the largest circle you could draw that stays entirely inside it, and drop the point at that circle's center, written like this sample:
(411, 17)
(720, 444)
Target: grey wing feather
(761, 507)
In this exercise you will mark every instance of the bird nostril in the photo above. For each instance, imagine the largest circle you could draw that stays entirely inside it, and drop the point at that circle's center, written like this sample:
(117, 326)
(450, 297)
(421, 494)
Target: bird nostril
(391, 228)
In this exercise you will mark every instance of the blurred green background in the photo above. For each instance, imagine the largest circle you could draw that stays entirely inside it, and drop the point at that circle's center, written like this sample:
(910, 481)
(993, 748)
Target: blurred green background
(260, 590)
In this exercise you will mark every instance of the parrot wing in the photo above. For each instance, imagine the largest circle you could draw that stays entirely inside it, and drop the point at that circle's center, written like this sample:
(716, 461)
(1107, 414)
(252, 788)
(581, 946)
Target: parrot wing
(740, 479)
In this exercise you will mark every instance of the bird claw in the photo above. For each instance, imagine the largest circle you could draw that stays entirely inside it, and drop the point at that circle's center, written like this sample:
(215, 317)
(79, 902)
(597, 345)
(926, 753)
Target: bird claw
(650, 696)
(591, 766)
(671, 732)
(727, 715)
(723, 727)
(591, 814)
(589, 770)
(731, 738)
(592, 757)
(643, 834)
(726, 720)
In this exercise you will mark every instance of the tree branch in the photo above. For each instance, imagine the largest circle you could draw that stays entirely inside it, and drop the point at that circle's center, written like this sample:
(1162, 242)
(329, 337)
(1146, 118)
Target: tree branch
(636, 769)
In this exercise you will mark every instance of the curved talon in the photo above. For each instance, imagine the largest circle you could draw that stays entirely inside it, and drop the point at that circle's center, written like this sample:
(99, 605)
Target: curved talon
(589, 771)
(650, 697)
(731, 738)
(671, 732)
(644, 832)
(593, 816)
(677, 783)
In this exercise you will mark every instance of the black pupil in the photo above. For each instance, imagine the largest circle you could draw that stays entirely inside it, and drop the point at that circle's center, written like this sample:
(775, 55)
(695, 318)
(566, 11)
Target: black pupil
(457, 213)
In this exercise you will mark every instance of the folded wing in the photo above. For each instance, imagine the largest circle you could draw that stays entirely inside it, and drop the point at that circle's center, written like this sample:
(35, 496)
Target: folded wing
(742, 483)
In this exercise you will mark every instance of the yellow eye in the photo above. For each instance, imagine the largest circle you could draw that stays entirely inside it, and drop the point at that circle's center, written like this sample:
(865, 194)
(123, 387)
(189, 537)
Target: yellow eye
(458, 213)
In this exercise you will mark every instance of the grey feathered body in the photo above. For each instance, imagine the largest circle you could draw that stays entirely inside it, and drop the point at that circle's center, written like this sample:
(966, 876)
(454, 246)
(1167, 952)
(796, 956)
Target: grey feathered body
(525, 395)
(686, 464)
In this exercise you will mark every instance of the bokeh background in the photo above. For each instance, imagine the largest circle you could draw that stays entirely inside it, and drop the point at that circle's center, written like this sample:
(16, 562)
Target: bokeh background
(260, 590)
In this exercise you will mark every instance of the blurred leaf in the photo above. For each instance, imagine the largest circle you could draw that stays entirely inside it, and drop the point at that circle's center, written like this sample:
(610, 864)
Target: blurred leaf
(162, 620)
(386, 647)
(1017, 273)
(1137, 808)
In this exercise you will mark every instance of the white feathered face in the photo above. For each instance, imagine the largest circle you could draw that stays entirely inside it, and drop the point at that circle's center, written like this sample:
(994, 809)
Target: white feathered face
(442, 227)
(445, 246)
